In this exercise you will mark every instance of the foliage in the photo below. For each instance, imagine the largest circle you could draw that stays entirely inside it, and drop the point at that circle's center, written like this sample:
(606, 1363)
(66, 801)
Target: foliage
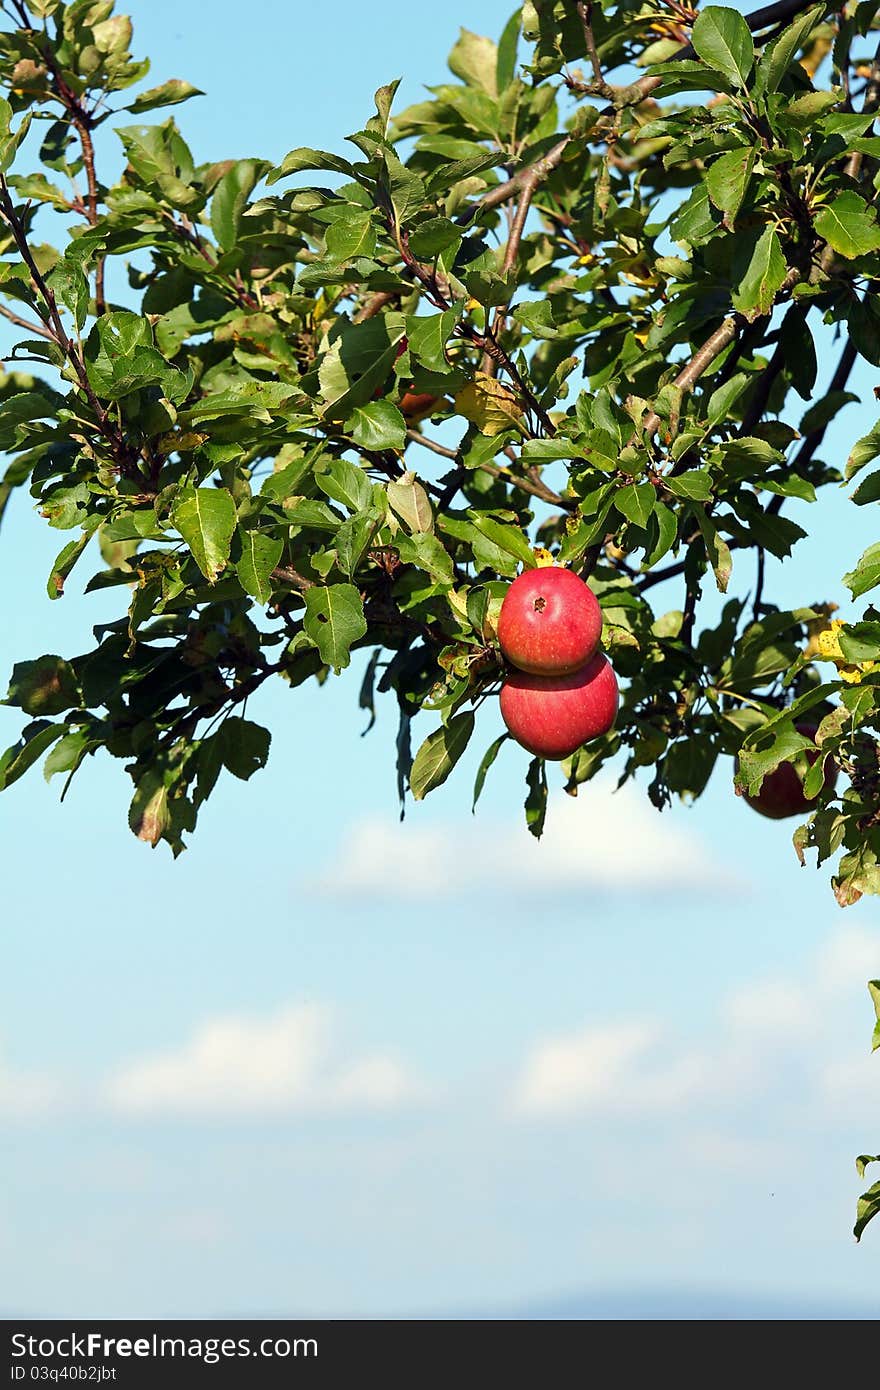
(609, 294)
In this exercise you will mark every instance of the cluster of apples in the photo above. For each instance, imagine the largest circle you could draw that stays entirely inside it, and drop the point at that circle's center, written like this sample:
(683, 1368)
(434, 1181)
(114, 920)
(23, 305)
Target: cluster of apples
(562, 691)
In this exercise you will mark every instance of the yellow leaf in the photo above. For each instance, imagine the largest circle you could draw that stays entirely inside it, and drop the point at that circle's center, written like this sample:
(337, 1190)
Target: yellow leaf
(489, 405)
(828, 649)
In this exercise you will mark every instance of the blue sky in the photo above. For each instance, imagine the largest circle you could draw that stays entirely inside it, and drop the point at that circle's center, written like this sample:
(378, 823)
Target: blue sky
(327, 1064)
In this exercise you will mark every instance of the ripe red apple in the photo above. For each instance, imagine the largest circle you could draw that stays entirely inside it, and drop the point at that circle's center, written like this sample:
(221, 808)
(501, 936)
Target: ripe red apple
(554, 715)
(415, 405)
(550, 622)
(782, 791)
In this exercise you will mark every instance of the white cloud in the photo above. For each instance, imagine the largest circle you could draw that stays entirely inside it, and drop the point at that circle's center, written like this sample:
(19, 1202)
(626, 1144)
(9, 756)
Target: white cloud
(601, 840)
(583, 1071)
(28, 1095)
(766, 1031)
(245, 1066)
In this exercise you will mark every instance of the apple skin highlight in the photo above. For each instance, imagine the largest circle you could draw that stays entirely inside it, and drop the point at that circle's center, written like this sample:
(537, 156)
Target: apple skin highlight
(552, 716)
(550, 622)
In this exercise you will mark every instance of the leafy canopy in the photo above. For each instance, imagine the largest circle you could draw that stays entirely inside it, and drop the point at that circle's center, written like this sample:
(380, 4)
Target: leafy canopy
(599, 255)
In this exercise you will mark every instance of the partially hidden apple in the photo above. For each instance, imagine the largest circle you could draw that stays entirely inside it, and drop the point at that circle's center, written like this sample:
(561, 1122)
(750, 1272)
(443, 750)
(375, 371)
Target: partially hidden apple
(415, 405)
(553, 715)
(550, 622)
(782, 791)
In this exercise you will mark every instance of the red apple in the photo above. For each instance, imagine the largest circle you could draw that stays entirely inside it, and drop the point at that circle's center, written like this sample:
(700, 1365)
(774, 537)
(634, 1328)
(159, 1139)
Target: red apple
(782, 791)
(415, 405)
(550, 622)
(554, 715)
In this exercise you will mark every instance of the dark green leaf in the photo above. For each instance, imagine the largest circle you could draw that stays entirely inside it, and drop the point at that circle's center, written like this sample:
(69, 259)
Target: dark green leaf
(334, 619)
(439, 753)
(260, 554)
(721, 38)
(488, 759)
(536, 798)
(205, 517)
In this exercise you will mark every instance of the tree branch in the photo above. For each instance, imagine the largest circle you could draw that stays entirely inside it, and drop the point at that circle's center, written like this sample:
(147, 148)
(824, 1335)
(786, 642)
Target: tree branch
(702, 359)
(586, 16)
(535, 489)
(82, 122)
(286, 574)
(126, 459)
(39, 328)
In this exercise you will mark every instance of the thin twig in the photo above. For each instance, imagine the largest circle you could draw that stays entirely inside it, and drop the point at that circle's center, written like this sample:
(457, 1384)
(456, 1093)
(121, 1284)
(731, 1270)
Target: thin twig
(759, 585)
(700, 362)
(534, 489)
(415, 438)
(125, 458)
(82, 123)
(586, 15)
(375, 304)
(286, 574)
(39, 328)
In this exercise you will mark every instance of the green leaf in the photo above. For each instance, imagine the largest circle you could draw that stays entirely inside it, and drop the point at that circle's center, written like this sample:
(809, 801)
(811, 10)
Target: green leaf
(303, 158)
(693, 223)
(427, 553)
(723, 398)
(378, 425)
(722, 39)
(696, 485)
(353, 538)
(636, 502)
(66, 560)
(865, 450)
(486, 762)
(71, 286)
(667, 530)
(867, 1207)
(243, 746)
(860, 641)
(866, 574)
(431, 238)
(509, 538)
(475, 60)
(439, 753)
(230, 199)
(34, 741)
(505, 68)
(334, 619)
(351, 234)
(849, 226)
(260, 554)
(409, 500)
(717, 549)
(874, 991)
(536, 798)
(427, 338)
(47, 685)
(777, 56)
(170, 93)
(343, 481)
(776, 743)
(67, 755)
(863, 321)
(820, 414)
(205, 517)
(728, 179)
(759, 270)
